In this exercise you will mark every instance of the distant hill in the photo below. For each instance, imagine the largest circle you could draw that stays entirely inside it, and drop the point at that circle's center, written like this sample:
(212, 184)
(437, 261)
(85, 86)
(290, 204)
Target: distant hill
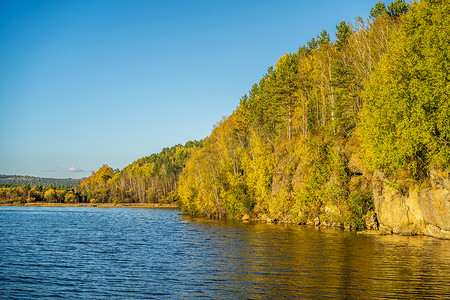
(16, 180)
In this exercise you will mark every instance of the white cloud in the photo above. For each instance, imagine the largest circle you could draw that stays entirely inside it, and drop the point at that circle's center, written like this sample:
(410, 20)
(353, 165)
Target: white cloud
(73, 169)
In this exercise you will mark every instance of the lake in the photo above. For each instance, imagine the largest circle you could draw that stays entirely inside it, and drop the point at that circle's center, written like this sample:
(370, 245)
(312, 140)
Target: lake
(132, 253)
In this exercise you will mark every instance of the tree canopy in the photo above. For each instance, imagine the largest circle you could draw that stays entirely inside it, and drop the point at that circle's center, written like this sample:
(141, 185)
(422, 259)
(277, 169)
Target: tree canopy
(405, 123)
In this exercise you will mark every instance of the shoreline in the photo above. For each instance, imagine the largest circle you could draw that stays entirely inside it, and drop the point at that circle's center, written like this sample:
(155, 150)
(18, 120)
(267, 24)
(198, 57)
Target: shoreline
(122, 205)
(368, 232)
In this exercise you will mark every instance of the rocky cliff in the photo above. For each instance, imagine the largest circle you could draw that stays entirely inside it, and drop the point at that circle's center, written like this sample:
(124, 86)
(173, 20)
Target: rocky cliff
(418, 209)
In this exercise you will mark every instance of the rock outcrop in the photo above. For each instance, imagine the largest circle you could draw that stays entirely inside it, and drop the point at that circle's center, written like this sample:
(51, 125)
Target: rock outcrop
(417, 209)
(371, 221)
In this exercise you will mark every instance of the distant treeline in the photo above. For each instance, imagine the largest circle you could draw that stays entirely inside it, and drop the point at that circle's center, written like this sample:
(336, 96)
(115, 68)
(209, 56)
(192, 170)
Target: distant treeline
(16, 189)
(17, 180)
(19, 195)
(151, 179)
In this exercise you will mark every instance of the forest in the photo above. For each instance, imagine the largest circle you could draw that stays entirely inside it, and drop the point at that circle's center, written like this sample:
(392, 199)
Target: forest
(310, 139)
(18, 180)
(19, 195)
(16, 189)
(151, 179)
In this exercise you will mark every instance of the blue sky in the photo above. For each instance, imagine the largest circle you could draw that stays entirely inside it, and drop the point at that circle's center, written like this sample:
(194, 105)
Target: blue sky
(89, 82)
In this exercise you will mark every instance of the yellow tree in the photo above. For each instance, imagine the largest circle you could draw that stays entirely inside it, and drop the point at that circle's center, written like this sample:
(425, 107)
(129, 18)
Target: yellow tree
(405, 121)
(50, 195)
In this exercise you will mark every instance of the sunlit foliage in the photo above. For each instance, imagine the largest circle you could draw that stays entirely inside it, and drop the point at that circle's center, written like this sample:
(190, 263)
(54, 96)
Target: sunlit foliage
(288, 152)
(405, 123)
(151, 179)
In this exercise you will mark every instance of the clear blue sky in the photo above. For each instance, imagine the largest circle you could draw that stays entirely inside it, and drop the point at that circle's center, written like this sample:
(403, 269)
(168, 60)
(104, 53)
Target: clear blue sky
(89, 82)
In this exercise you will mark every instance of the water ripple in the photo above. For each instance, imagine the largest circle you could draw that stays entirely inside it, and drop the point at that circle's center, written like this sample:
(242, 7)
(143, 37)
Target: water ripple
(103, 253)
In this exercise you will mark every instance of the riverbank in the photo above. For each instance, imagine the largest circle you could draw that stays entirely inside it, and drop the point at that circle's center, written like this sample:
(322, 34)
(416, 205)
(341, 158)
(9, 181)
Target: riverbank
(129, 205)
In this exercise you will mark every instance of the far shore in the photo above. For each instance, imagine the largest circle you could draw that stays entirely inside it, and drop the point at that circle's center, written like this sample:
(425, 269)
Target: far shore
(130, 205)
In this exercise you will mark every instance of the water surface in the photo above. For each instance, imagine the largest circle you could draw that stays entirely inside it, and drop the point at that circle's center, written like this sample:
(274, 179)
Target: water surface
(128, 253)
